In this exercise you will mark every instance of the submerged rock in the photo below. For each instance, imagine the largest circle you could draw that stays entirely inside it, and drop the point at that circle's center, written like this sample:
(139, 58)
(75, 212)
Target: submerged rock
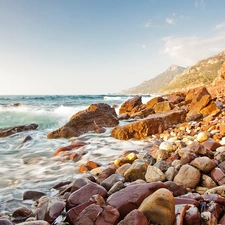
(4, 132)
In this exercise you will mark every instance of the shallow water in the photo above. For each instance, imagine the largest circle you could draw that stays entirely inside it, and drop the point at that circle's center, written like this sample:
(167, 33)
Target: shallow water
(31, 166)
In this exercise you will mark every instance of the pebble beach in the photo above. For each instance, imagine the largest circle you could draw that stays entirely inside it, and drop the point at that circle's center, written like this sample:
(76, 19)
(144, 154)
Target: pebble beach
(169, 171)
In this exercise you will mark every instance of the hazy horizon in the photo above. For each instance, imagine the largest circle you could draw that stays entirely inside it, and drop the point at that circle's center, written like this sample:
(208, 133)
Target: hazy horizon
(55, 47)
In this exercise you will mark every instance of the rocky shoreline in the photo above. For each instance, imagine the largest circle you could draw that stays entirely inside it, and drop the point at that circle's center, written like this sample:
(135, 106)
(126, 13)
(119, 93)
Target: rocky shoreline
(178, 179)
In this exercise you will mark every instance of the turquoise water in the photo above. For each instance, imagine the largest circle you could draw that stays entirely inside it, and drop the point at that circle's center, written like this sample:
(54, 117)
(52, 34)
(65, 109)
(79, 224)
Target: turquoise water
(31, 166)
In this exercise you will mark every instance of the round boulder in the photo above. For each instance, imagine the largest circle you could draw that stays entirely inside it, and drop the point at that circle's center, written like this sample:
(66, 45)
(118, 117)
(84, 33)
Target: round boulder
(159, 207)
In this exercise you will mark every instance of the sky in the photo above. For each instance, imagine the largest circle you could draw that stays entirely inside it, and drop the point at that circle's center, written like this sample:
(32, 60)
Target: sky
(102, 46)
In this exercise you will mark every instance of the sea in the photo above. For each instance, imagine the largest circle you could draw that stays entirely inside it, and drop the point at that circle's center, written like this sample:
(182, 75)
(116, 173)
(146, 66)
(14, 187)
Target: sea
(32, 166)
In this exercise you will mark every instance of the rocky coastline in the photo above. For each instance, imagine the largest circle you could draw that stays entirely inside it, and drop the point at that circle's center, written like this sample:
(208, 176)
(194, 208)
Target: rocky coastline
(178, 179)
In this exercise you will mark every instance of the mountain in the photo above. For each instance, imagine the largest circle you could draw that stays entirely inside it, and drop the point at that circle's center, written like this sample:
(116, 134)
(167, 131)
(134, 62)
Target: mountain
(153, 86)
(203, 72)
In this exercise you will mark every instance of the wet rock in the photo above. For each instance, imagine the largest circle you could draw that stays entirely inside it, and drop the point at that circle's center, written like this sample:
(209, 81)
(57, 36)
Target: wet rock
(192, 216)
(188, 175)
(116, 187)
(79, 183)
(21, 214)
(111, 180)
(153, 124)
(132, 196)
(5, 222)
(136, 171)
(4, 132)
(108, 171)
(159, 207)
(49, 209)
(204, 164)
(135, 217)
(95, 117)
(84, 194)
(32, 195)
(97, 215)
(154, 174)
(176, 189)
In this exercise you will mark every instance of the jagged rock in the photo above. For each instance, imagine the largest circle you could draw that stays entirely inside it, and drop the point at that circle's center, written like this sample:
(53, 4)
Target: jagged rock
(96, 215)
(151, 103)
(202, 104)
(49, 209)
(162, 107)
(129, 105)
(92, 119)
(4, 132)
(153, 124)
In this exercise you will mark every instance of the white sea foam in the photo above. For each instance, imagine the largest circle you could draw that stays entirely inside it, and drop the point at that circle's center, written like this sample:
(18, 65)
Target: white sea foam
(112, 98)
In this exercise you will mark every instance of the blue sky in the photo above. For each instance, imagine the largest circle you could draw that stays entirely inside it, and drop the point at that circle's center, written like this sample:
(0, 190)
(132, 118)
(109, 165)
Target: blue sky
(102, 46)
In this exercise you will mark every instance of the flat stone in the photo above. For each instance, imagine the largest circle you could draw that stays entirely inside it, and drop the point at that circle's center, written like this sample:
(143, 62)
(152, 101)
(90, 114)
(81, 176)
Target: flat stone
(153, 124)
(132, 196)
(84, 194)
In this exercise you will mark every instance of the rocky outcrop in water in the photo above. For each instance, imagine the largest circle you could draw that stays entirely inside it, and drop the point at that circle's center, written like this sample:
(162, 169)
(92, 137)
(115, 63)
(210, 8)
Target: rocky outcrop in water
(95, 118)
(4, 132)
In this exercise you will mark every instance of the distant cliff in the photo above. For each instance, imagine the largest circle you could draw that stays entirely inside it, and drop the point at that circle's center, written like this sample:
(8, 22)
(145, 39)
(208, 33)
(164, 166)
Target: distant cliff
(202, 73)
(153, 86)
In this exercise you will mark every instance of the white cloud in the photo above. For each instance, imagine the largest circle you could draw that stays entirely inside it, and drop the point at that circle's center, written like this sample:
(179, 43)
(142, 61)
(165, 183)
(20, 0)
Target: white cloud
(200, 3)
(220, 26)
(170, 21)
(148, 24)
(144, 46)
(187, 51)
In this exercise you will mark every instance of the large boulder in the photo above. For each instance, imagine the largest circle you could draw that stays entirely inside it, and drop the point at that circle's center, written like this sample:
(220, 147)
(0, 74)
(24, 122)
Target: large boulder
(4, 132)
(155, 123)
(131, 104)
(94, 118)
(202, 104)
(159, 207)
(132, 196)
